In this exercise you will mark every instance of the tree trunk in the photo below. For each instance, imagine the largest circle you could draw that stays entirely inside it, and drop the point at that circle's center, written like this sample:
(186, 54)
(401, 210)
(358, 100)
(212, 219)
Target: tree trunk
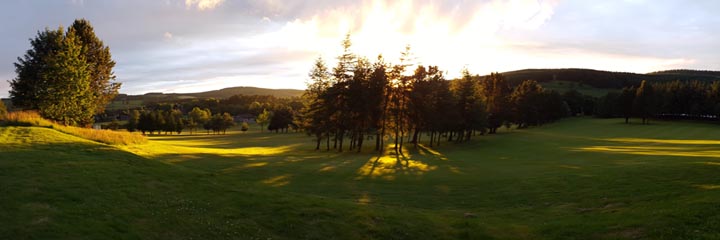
(342, 137)
(360, 142)
(415, 137)
(319, 139)
(432, 136)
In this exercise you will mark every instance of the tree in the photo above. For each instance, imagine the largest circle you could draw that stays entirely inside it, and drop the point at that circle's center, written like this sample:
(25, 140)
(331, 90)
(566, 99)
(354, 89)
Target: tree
(525, 100)
(227, 122)
(66, 96)
(100, 64)
(280, 120)
(133, 120)
(263, 119)
(198, 117)
(244, 127)
(644, 103)
(314, 115)
(497, 91)
(29, 83)
(625, 102)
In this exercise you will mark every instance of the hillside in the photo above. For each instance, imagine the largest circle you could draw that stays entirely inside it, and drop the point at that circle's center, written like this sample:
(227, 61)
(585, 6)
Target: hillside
(124, 101)
(219, 94)
(606, 79)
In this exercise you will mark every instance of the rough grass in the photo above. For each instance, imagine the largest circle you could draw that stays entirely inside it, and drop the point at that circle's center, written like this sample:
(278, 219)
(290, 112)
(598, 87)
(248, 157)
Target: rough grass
(576, 179)
(29, 118)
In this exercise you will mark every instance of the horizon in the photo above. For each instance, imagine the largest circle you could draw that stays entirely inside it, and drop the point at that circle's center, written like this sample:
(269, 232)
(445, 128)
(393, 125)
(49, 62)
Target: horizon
(184, 46)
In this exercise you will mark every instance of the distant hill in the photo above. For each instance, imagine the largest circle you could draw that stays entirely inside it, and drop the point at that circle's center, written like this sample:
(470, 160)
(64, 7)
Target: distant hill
(124, 101)
(607, 79)
(219, 94)
(229, 92)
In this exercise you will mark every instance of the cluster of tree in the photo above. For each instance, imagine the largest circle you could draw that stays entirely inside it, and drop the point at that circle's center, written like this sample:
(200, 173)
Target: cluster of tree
(674, 100)
(281, 120)
(66, 75)
(170, 121)
(357, 99)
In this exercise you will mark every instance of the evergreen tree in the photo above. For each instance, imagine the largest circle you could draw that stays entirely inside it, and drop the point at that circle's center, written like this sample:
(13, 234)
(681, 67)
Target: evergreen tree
(525, 100)
(497, 91)
(644, 103)
(625, 102)
(67, 97)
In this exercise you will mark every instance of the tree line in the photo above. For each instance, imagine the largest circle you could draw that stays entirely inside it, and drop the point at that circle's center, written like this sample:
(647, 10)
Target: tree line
(667, 100)
(174, 121)
(358, 99)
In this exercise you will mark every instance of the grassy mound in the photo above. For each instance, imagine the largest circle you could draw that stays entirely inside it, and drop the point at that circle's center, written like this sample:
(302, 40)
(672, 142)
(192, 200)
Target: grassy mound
(28, 118)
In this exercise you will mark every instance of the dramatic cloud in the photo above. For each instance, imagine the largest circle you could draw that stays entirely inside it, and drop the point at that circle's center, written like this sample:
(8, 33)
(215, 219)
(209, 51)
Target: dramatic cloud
(193, 45)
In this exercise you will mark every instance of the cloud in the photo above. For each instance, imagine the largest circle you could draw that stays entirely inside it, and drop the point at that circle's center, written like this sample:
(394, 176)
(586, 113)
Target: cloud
(447, 33)
(167, 36)
(203, 4)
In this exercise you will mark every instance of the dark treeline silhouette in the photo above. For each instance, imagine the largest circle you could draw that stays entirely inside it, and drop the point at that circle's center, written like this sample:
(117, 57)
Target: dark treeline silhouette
(666, 100)
(359, 100)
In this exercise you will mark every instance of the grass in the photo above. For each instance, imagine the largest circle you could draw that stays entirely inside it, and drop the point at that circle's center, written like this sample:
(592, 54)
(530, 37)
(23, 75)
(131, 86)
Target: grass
(576, 179)
(29, 118)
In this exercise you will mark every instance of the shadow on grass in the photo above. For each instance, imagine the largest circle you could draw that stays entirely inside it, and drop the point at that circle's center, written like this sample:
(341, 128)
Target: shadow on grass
(409, 161)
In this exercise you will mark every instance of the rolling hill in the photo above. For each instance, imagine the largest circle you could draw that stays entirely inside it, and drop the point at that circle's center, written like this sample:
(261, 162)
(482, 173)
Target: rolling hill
(607, 79)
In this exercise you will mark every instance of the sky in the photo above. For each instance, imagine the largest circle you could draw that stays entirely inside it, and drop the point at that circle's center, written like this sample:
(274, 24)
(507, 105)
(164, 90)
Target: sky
(199, 45)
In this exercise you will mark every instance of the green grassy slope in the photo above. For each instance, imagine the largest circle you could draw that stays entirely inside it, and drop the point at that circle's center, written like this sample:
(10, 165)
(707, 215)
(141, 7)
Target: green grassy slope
(579, 178)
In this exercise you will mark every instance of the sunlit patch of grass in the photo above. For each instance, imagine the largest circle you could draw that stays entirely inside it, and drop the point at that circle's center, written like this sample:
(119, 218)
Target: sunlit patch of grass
(156, 149)
(278, 181)
(390, 163)
(364, 199)
(663, 141)
(656, 150)
(708, 186)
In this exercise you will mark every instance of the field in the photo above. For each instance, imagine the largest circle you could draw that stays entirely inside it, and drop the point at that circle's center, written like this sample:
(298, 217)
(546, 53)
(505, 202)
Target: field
(580, 178)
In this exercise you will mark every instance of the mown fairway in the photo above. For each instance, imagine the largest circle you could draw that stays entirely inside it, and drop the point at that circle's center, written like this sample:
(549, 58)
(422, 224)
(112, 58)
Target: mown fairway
(577, 179)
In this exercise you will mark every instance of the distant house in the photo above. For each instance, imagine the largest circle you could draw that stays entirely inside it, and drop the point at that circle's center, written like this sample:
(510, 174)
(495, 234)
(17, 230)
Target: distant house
(245, 117)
